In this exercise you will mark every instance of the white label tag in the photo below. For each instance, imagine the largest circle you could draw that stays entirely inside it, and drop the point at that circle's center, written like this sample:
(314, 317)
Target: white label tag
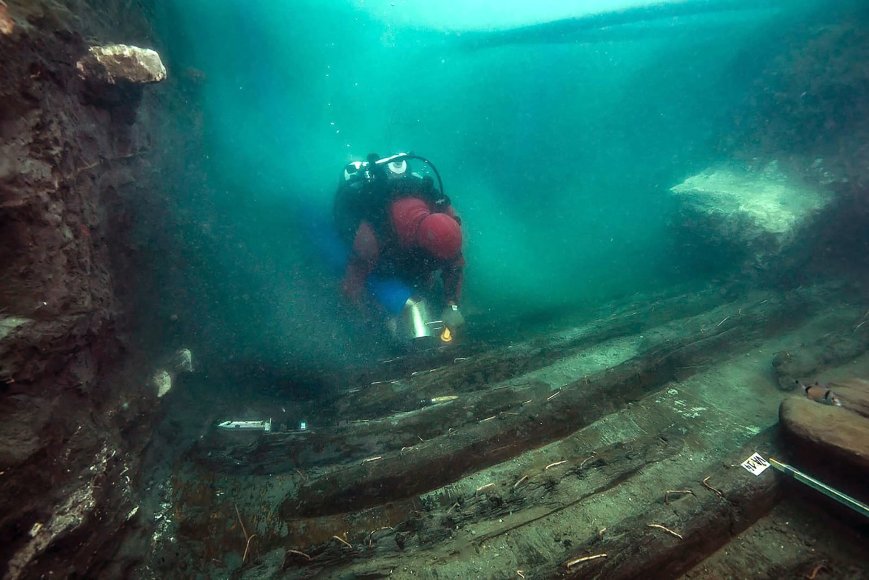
(755, 464)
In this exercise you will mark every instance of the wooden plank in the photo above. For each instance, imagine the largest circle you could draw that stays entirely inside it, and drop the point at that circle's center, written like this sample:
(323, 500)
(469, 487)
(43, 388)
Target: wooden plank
(706, 520)
(486, 443)
(476, 370)
(516, 500)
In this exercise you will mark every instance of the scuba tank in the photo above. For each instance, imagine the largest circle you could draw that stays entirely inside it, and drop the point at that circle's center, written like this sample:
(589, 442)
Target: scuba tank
(366, 188)
(371, 176)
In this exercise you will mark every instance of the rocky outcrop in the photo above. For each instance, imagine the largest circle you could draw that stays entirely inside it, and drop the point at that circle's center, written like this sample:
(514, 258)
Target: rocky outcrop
(755, 214)
(118, 63)
(114, 75)
(70, 416)
(809, 108)
(7, 25)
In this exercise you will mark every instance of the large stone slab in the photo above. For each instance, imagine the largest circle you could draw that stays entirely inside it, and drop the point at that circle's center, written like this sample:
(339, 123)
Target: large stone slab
(827, 431)
(758, 213)
(115, 63)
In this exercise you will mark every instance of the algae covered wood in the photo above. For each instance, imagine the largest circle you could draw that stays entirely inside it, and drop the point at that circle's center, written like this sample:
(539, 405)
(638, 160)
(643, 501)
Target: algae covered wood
(487, 442)
(730, 501)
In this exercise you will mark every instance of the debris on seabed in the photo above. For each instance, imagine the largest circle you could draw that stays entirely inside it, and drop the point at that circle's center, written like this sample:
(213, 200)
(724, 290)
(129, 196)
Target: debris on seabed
(717, 492)
(443, 399)
(523, 478)
(666, 529)
(162, 381)
(573, 563)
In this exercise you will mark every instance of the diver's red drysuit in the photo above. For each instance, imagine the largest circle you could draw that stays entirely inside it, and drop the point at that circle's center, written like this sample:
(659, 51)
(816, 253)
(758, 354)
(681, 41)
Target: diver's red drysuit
(412, 243)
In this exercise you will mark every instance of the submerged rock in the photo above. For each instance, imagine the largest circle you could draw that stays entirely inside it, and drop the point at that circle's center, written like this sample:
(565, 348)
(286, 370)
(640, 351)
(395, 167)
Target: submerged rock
(114, 76)
(7, 24)
(756, 213)
(117, 63)
(183, 361)
(162, 382)
(828, 432)
(164, 377)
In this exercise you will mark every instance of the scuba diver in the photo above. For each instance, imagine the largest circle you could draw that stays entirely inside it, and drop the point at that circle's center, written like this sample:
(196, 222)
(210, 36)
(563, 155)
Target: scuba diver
(402, 231)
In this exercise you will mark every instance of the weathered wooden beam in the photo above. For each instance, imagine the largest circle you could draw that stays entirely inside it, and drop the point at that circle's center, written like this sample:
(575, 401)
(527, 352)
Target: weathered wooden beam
(433, 463)
(722, 502)
(395, 415)
(726, 502)
(284, 452)
(524, 494)
(475, 370)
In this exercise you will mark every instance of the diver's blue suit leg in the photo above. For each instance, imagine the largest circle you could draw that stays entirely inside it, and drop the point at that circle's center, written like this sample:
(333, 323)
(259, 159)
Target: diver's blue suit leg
(391, 293)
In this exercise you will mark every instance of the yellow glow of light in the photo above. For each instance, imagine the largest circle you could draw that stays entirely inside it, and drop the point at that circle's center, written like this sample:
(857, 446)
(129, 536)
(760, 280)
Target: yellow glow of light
(446, 335)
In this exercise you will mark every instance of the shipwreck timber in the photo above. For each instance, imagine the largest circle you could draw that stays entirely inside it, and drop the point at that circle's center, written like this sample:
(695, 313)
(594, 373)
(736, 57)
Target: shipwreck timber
(608, 450)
